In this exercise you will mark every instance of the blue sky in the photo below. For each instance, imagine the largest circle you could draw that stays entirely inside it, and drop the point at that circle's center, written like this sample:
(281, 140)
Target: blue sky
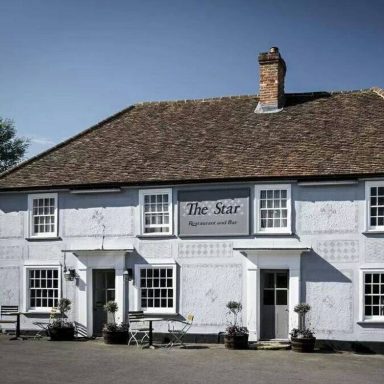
(65, 65)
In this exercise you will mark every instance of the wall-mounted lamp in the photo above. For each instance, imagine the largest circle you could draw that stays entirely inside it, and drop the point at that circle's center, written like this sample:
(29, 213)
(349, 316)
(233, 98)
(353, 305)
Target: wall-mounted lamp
(69, 274)
(128, 274)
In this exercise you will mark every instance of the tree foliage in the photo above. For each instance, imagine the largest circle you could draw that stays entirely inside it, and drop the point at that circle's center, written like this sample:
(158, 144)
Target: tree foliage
(12, 148)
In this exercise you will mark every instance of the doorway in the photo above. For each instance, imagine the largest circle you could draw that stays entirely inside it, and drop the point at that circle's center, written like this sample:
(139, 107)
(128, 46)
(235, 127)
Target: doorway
(103, 291)
(274, 315)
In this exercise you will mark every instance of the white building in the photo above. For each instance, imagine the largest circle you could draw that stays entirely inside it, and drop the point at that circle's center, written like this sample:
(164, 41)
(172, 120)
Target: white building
(270, 200)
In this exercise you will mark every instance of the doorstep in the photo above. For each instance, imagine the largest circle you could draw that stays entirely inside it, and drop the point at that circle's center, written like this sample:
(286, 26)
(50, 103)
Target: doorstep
(272, 345)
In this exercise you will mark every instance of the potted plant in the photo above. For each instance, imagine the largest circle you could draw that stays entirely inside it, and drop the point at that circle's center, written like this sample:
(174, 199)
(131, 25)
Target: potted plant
(236, 336)
(60, 329)
(114, 333)
(302, 339)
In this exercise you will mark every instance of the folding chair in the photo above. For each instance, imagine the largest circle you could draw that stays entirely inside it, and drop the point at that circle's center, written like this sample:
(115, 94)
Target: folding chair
(43, 331)
(8, 310)
(137, 325)
(177, 329)
(43, 325)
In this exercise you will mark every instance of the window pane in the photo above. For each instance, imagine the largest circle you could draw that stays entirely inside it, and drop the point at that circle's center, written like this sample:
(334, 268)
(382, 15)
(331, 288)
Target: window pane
(269, 280)
(281, 297)
(269, 298)
(281, 280)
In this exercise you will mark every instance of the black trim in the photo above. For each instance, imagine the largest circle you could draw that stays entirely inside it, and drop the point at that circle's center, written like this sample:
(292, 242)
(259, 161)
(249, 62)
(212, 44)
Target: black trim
(157, 237)
(39, 239)
(168, 182)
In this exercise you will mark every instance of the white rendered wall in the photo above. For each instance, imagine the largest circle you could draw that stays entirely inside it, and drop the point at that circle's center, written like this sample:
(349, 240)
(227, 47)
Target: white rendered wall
(328, 219)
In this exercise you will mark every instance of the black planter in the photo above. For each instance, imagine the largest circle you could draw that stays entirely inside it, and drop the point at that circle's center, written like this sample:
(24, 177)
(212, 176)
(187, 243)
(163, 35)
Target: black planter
(303, 344)
(115, 337)
(61, 333)
(236, 342)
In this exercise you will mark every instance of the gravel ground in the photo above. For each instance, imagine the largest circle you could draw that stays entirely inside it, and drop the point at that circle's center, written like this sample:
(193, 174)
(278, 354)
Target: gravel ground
(42, 361)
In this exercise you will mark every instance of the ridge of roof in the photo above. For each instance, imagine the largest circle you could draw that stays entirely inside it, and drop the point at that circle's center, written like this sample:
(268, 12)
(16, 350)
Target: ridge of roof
(234, 97)
(203, 100)
(65, 142)
(338, 92)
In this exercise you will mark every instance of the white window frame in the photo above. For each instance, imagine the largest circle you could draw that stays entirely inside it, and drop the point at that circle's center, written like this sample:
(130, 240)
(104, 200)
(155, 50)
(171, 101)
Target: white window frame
(368, 186)
(150, 192)
(257, 216)
(138, 268)
(33, 197)
(362, 317)
(27, 268)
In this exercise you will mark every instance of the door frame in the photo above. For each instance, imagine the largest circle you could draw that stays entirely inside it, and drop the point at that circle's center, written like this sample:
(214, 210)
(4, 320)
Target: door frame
(99, 259)
(93, 292)
(275, 270)
(282, 259)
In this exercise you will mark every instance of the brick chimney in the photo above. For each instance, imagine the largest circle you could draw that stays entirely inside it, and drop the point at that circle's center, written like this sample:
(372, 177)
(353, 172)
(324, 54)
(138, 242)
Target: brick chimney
(272, 74)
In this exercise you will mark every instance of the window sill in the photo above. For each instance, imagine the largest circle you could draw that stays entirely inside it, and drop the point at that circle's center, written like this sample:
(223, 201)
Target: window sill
(37, 312)
(170, 313)
(367, 322)
(152, 236)
(288, 233)
(48, 238)
(373, 232)
(160, 314)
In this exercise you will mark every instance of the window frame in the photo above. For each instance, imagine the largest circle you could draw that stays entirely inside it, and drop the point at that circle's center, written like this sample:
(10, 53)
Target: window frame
(368, 186)
(43, 235)
(257, 216)
(27, 268)
(362, 316)
(168, 310)
(150, 192)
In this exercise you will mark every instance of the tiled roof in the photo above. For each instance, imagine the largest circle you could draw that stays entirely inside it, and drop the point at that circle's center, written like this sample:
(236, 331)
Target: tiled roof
(316, 135)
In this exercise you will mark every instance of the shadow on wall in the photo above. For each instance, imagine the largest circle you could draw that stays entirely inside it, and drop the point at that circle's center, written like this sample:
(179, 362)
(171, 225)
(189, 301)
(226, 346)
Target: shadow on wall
(316, 269)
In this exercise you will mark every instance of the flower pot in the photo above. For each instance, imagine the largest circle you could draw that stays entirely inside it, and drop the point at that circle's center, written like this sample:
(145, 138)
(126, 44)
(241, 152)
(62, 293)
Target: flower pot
(236, 341)
(115, 337)
(61, 333)
(305, 344)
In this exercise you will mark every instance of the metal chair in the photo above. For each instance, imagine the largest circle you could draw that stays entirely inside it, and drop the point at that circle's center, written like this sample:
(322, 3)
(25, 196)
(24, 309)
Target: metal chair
(8, 310)
(43, 325)
(177, 330)
(43, 331)
(137, 325)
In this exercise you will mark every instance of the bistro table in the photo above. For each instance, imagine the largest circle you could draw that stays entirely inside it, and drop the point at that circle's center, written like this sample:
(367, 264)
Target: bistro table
(150, 320)
(17, 314)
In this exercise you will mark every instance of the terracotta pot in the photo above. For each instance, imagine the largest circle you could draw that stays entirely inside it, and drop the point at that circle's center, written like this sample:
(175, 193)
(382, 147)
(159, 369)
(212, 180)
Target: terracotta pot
(303, 344)
(236, 342)
(61, 333)
(115, 337)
